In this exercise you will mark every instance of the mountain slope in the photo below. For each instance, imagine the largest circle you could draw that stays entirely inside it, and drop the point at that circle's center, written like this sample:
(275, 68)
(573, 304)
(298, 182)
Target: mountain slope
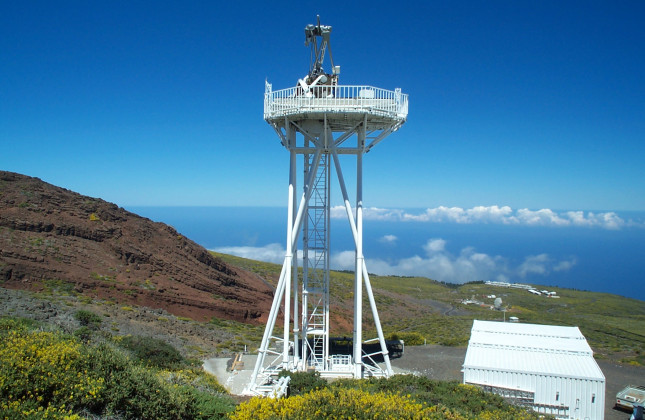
(52, 236)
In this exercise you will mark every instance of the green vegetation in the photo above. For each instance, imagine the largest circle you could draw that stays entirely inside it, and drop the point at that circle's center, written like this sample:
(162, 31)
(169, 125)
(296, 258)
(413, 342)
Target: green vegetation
(337, 403)
(464, 400)
(53, 375)
(303, 382)
(266, 270)
(88, 319)
(400, 397)
(101, 277)
(58, 288)
(152, 352)
(243, 334)
(89, 323)
(38, 245)
(409, 338)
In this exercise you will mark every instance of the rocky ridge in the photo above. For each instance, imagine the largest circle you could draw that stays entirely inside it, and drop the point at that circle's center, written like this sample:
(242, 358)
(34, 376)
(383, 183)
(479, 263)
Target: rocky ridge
(50, 236)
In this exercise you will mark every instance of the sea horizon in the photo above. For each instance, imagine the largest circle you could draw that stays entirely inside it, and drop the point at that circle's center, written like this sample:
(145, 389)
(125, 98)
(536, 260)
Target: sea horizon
(593, 251)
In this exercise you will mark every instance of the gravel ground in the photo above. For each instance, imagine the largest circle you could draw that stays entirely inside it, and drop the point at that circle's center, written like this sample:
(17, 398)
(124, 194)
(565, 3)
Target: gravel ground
(436, 362)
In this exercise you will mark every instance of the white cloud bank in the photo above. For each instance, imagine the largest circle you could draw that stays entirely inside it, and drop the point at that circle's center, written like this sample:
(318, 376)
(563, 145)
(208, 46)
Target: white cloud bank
(494, 215)
(273, 253)
(436, 262)
(388, 239)
(468, 265)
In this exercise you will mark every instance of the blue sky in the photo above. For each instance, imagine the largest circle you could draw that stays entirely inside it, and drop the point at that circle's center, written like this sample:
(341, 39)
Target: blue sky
(531, 104)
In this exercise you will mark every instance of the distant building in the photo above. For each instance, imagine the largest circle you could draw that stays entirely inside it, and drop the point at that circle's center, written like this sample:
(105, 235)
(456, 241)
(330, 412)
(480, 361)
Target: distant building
(548, 368)
(506, 284)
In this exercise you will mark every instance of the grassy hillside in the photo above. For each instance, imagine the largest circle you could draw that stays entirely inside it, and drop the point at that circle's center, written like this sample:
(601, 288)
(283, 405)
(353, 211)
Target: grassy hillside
(613, 325)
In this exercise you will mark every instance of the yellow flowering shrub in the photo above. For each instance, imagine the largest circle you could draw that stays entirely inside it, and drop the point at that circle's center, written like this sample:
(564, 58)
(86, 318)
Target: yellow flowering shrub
(505, 415)
(43, 374)
(195, 377)
(338, 403)
(464, 400)
(17, 410)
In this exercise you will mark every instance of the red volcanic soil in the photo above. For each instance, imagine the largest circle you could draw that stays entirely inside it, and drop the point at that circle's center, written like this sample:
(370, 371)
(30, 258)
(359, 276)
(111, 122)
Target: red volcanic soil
(53, 237)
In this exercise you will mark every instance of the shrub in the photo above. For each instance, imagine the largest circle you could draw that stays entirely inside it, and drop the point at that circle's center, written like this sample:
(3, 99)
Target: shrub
(303, 382)
(340, 403)
(133, 391)
(409, 338)
(208, 406)
(466, 400)
(152, 351)
(88, 319)
(43, 371)
(195, 377)
(84, 334)
(15, 324)
(50, 375)
(16, 410)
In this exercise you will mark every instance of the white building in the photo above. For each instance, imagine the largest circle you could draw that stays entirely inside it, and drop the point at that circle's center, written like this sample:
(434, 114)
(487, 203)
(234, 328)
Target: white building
(548, 368)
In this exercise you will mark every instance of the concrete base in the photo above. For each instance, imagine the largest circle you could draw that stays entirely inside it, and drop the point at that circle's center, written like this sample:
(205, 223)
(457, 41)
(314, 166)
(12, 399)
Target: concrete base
(235, 381)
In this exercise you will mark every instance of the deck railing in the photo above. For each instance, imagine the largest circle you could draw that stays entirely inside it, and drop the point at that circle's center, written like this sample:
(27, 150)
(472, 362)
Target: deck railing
(340, 99)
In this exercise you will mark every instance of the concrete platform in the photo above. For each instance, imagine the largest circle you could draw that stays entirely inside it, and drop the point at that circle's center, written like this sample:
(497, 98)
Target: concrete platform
(237, 380)
(234, 381)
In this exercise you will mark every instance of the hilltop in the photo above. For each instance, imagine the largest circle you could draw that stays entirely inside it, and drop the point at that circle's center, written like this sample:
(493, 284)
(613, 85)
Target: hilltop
(56, 240)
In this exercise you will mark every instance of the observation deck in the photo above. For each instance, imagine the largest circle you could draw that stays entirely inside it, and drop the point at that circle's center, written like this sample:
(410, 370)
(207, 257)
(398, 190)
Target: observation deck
(342, 106)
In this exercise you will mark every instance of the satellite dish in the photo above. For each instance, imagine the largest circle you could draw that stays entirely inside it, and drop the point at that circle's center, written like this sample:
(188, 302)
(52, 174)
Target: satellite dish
(498, 303)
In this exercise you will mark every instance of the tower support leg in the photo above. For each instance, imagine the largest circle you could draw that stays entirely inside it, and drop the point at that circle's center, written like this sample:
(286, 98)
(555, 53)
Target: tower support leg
(294, 275)
(288, 262)
(358, 239)
(358, 287)
(281, 286)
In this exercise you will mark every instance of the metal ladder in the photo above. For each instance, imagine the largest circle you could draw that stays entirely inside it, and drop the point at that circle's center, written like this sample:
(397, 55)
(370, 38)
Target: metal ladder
(316, 268)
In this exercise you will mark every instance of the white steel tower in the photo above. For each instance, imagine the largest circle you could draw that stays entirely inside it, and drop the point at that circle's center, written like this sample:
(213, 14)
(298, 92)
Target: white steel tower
(319, 120)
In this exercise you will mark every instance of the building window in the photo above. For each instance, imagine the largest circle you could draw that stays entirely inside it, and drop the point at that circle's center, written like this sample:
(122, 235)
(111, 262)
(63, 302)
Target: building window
(557, 396)
(593, 398)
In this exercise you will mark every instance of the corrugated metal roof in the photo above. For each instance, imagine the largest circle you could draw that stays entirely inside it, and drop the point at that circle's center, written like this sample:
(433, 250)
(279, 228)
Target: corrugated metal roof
(528, 329)
(531, 348)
